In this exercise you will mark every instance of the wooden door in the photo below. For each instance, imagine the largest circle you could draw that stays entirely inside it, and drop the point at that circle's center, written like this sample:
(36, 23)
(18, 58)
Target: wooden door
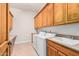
(3, 23)
(72, 12)
(50, 14)
(3, 28)
(59, 13)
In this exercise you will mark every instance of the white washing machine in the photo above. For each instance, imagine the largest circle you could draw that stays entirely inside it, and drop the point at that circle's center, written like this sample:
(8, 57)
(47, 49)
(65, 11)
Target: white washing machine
(41, 44)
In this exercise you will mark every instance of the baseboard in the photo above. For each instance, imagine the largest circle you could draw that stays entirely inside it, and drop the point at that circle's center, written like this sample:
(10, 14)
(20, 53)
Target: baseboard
(21, 42)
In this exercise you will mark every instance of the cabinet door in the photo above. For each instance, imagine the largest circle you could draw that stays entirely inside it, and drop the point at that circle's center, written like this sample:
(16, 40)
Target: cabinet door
(59, 13)
(3, 23)
(50, 14)
(44, 12)
(40, 20)
(38, 23)
(73, 12)
(52, 51)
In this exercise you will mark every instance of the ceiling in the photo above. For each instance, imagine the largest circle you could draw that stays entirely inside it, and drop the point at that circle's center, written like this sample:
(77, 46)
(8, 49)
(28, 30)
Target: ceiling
(35, 7)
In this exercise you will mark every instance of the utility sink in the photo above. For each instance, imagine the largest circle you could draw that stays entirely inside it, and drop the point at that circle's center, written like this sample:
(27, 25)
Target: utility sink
(69, 41)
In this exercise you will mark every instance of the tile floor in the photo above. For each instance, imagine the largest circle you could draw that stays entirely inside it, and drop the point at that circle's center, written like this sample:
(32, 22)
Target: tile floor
(24, 49)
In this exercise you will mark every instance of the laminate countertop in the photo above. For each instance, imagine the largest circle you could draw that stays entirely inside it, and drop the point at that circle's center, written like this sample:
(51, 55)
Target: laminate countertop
(72, 46)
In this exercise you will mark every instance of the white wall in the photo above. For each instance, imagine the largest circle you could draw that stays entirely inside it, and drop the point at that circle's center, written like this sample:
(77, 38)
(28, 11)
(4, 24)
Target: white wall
(70, 29)
(23, 25)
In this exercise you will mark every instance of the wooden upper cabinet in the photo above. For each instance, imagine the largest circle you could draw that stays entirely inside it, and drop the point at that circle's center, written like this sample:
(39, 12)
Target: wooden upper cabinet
(50, 14)
(59, 13)
(38, 21)
(73, 12)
